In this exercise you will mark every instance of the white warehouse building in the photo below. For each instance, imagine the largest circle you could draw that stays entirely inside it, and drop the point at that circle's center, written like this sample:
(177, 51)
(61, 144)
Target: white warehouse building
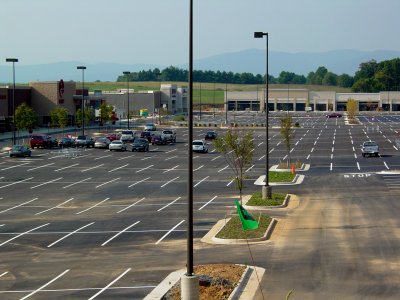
(304, 99)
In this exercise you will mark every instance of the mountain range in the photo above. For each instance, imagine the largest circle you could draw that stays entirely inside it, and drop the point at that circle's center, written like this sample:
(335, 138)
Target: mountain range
(250, 60)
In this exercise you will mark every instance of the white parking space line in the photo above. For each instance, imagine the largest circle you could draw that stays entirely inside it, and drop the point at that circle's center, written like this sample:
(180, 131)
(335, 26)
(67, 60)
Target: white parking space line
(331, 167)
(69, 234)
(16, 182)
(173, 228)
(169, 181)
(119, 233)
(205, 178)
(129, 206)
(153, 150)
(261, 157)
(43, 286)
(260, 144)
(358, 165)
(198, 168)
(270, 151)
(224, 168)
(78, 213)
(40, 167)
(19, 205)
(386, 165)
(208, 202)
(126, 157)
(110, 284)
(67, 167)
(173, 168)
(148, 167)
(21, 234)
(169, 204)
(137, 182)
(171, 157)
(115, 179)
(308, 156)
(59, 205)
(95, 167)
(146, 158)
(355, 156)
(83, 180)
(16, 166)
(44, 183)
(249, 168)
(1, 275)
(216, 157)
(118, 168)
(171, 150)
(101, 157)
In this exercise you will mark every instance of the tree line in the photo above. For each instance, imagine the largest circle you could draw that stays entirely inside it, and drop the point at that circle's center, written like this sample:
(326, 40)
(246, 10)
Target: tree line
(370, 77)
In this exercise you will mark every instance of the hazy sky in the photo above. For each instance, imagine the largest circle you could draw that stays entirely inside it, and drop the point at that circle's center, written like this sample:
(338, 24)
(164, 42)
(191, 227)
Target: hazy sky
(156, 31)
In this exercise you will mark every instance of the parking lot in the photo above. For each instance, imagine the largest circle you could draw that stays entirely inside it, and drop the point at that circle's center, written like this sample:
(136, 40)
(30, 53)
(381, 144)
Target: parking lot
(90, 223)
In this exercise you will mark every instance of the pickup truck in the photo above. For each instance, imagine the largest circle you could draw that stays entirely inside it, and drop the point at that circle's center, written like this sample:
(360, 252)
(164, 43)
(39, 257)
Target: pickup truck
(168, 135)
(370, 148)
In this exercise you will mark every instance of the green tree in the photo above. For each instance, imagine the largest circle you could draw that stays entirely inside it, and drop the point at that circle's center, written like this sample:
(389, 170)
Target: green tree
(237, 148)
(89, 116)
(105, 112)
(330, 79)
(287, 133)
(59, 116)
(25, 117)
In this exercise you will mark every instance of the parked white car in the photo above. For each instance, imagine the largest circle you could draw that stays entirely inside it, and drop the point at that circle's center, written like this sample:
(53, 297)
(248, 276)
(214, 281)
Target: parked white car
(199, 146)
(117, 145)
(127, 135)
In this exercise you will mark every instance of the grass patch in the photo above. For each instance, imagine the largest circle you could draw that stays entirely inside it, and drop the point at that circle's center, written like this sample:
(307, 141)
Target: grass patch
(284, 165)
(257, 200)
(233, 229)
(280, 176)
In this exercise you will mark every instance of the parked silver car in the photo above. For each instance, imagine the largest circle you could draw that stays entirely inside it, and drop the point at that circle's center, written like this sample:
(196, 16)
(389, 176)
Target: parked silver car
(102, 143)
(370, 148)
(117, 145)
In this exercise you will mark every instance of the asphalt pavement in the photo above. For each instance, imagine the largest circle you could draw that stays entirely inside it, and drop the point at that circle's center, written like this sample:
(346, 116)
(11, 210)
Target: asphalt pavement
(90, 223)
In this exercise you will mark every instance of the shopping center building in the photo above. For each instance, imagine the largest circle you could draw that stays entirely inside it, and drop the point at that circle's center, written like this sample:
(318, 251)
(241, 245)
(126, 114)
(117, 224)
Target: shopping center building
(304, 100)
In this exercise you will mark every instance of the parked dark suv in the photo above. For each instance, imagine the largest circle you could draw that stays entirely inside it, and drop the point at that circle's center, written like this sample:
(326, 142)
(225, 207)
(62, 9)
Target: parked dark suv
(42, 141)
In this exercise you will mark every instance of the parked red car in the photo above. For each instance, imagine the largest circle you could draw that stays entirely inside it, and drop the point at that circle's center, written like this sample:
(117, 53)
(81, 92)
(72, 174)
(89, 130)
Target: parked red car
(41, 140)
(113, 136)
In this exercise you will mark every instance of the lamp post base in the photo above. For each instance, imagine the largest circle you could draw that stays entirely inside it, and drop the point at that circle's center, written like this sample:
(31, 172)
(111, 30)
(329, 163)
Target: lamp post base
(189, 287)
(266, 192)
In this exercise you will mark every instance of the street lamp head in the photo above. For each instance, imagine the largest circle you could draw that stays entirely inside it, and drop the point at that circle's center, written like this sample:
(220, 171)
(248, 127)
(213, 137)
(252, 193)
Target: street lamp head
(126, 72)
(259, 34)
(11, 59)
(81, 67)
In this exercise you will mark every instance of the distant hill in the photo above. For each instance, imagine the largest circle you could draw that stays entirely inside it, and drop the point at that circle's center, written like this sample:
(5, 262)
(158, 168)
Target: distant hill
(251, 60)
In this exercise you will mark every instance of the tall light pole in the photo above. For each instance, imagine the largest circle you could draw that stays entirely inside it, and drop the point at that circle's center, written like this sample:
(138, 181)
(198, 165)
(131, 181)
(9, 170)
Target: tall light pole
(226, 100)
(200, 103)
(83, 68)
(126, 73)
(189, 281)
(266, 189)
(13, 60)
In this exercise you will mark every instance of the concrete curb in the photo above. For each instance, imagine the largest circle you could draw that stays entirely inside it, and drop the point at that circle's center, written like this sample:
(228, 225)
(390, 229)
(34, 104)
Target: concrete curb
(298, 179)
(245, 289)
(304, 167)
(160, 290)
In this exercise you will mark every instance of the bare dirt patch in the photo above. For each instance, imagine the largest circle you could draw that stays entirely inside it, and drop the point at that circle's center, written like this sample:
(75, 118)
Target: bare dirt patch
(217, 281)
